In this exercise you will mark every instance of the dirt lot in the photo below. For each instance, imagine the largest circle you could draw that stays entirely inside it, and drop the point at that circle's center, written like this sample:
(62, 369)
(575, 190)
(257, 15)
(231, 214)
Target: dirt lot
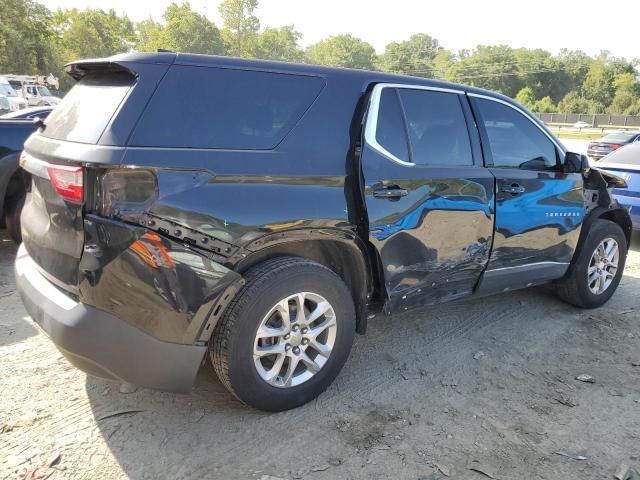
(482, 386)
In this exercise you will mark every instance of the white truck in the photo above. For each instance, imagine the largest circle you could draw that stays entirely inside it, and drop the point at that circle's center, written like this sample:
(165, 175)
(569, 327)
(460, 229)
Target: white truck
(34, 88)
(9, 99)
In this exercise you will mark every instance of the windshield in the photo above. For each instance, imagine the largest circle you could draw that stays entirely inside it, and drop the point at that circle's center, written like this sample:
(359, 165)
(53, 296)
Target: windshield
(7, 90)
(44, 91)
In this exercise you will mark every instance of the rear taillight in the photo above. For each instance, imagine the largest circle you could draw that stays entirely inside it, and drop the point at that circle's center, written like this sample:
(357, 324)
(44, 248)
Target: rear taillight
(614, 146)
(68, 182)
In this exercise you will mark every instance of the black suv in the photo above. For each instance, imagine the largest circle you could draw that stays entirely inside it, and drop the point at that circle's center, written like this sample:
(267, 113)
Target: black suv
(260, 211)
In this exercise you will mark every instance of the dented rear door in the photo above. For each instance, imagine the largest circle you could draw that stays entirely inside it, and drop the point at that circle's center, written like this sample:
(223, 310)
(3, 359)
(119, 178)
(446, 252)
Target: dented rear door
(428, 197)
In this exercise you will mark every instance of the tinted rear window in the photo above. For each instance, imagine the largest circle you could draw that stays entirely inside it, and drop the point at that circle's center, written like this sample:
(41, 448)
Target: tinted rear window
(437, 128)
(200, 107)
(618, 137)
(86, 110)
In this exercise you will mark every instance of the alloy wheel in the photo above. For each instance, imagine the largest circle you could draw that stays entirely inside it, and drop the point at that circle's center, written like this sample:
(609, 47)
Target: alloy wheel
(295, 339)
(603, 266)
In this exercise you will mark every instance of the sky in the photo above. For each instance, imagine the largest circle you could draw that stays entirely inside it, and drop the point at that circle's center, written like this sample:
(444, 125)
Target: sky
(457, 24)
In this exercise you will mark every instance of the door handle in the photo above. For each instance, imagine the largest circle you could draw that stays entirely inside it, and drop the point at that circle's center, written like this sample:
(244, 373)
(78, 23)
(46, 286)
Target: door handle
(513, 188)
(390, 191)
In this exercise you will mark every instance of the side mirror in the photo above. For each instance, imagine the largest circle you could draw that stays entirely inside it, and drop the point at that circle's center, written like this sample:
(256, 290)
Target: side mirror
(576, 163)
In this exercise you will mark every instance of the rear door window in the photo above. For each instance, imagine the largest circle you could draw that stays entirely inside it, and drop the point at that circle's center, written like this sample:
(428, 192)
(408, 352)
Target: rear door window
(217, 108)
(421, 127)
(437, 128)
(86, 110)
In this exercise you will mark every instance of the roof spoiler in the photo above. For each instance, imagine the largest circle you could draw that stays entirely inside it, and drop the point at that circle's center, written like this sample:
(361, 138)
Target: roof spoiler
(117, 63)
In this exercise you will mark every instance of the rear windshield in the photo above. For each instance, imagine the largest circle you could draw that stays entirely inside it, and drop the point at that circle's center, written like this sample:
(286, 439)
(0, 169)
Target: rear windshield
(618, 137)
(86, 110)
(204, 107)
(629, 155)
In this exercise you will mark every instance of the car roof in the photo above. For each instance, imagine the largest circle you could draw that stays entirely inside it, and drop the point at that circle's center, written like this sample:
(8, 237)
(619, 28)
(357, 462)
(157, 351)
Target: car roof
(26, 111)
(365, 76)
(629, 133)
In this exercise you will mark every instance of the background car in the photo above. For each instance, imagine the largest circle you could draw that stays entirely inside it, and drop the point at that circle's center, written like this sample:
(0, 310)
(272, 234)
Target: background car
(39, 95)
(625, 163)
(13, 133)
(29, 113)
(4, 104)
(582, 124)
(610, 142)
(15, 102)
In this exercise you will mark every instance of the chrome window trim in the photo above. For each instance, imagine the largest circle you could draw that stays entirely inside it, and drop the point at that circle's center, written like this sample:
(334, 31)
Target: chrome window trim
(374, 109)
(561, 149)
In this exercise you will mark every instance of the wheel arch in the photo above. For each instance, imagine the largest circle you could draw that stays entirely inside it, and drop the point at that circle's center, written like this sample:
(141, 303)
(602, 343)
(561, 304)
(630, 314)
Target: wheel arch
(622, 218)
(342, 254)
(617, 215)
(571, 288)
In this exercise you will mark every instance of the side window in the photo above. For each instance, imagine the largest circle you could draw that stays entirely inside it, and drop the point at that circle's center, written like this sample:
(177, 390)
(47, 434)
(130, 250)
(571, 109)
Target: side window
(219, 108)
(390, 130)
(514, 140)
(437, 128)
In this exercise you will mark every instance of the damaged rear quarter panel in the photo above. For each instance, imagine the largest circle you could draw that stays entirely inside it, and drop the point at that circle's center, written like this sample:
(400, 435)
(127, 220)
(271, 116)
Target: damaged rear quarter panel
(163, 287)
(239, 197)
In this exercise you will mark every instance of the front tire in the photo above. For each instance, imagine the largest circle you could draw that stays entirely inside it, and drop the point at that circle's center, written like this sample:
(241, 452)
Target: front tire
(596, 271)
(286, 335)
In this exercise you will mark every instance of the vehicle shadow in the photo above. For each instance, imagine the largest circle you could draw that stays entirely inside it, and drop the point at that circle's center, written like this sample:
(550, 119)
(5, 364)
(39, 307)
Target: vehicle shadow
(398, 367)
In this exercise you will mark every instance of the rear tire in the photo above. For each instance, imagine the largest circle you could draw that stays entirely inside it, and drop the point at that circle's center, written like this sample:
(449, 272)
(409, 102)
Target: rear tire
(12, 212)
(265, 317)
(581, 286)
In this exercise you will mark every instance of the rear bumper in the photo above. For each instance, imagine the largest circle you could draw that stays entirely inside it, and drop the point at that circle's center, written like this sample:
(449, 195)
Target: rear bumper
(102, 344)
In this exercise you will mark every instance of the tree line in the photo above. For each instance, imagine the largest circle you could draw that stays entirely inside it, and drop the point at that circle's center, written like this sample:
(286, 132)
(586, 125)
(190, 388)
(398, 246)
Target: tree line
(35, 40)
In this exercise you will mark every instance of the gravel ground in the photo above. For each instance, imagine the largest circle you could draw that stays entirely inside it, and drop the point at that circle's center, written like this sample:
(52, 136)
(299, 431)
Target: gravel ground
(485, 386)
